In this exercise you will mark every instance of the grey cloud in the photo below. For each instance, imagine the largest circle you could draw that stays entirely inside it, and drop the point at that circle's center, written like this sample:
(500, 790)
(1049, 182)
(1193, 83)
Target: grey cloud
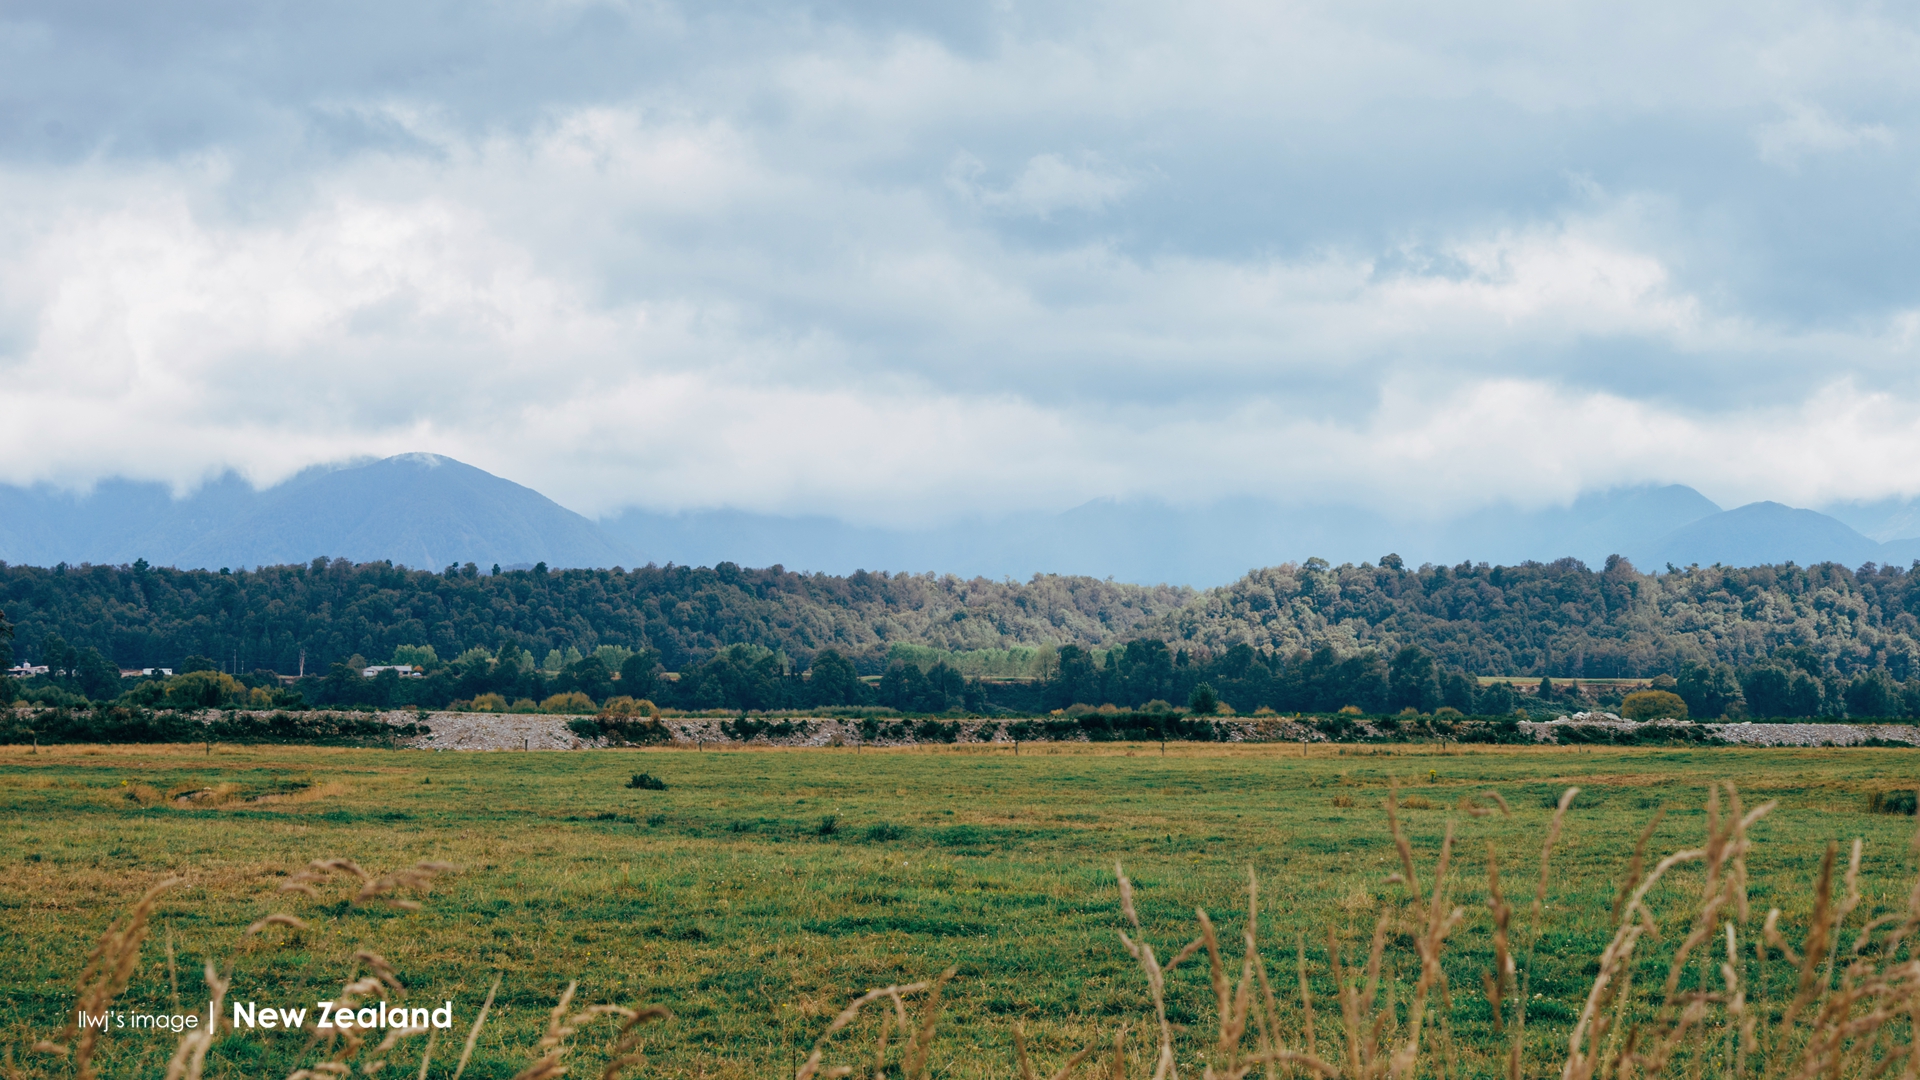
(365, 226)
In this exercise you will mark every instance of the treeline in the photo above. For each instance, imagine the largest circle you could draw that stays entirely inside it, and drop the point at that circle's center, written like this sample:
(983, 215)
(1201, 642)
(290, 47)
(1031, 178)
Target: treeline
(1773, 641)
(281, 618)
(1147, 675)
(1568, 621)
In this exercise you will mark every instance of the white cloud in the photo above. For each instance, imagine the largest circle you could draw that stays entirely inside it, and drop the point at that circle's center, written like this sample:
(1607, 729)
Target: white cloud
(1046, 185)
(1806, 130)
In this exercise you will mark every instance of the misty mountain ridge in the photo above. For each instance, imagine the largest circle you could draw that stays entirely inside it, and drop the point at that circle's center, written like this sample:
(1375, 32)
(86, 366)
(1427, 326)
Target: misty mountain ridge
(429, 511)
(420, 510)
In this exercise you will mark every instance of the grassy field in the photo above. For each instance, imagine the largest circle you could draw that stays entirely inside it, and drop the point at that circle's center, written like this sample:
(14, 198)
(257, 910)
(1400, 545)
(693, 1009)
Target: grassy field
(762, 890)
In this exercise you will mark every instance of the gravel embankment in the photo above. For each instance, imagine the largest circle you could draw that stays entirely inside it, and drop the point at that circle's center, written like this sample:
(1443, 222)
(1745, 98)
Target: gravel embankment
(526, 731)
(519, 731)
(1745, 733)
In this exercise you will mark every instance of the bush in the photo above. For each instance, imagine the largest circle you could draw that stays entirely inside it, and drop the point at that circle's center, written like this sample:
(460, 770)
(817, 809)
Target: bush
(621, 731)
(571, 702)
(829, 825)
(1653, 705)
(53, 696)
(307, 727)
(1893, 802)
(130, 724)
(647, 782)
(627, 707)
(883, 832)
(935, 731)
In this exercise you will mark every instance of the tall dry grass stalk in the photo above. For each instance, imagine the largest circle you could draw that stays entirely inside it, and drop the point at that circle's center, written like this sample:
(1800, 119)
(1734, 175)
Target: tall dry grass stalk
(103, 978)
(347, 1051)
(1852, 1011)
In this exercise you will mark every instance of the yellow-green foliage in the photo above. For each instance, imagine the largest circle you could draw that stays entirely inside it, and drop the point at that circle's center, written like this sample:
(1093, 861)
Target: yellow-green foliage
(573, 701)
(1653, 705)
(419, 656)
(199, 690)
(627, 706)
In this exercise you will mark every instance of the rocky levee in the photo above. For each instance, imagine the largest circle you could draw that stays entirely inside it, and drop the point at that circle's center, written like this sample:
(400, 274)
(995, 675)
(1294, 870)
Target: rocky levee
(250, 1015)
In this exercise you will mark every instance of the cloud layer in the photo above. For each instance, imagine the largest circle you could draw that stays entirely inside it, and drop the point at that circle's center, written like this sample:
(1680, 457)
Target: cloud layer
(904, 267)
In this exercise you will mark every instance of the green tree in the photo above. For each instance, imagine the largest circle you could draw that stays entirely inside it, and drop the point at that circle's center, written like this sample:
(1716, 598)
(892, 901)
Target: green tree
(1202, 702)
(7, 690)
(1806, 696)
(1710, 690)
(737, 677)
(639, 674)
(1768, 690)
(832, 680)
(1075, 679)
(1458, 691)
(902, 686)
(96, 676)
(1412, 681)
(419, 656)
(1499, 699)
(1873, 694)
(591, 677)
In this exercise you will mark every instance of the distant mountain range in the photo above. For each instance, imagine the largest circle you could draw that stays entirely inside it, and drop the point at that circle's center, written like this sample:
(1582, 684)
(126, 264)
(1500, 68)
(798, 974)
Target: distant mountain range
(427, 511)
(420, 510)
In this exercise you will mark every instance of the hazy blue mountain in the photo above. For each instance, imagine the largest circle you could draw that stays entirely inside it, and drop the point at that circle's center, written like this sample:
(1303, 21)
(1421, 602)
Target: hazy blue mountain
(1882, 520)
(1153, 542)
(428, 511)
(420, 510)
(1762, 532)
(1598, 524)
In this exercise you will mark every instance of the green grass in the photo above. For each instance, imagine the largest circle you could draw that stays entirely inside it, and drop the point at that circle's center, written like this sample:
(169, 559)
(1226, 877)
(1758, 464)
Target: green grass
(725, 899)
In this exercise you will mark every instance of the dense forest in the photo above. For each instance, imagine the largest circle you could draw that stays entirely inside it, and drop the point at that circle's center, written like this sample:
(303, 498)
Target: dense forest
(1763, 641)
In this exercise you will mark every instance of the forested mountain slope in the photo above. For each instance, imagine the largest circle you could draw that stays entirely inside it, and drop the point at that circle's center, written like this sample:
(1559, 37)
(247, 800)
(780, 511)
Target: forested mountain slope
(143, 616)
(1564, 619)
(1561, 618)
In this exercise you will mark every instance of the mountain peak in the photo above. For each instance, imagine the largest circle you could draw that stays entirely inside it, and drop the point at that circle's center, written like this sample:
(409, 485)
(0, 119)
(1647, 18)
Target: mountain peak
(416, 509)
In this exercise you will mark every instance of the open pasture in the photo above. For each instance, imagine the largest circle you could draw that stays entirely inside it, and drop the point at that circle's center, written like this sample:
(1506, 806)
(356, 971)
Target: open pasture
(762, 890)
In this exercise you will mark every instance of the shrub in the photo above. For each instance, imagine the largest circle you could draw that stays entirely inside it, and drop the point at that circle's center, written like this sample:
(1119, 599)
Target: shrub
(627, 707)
(53, 696)
(1653, 705)
(488, 703)
(571, 702)
(935, 731)
(647, 782)
(1892, 802)
(829, 825)
(884, 831)
(632, 731)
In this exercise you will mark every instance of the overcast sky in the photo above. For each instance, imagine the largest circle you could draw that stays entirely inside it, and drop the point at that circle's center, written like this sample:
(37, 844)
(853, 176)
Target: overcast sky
(900, 265)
